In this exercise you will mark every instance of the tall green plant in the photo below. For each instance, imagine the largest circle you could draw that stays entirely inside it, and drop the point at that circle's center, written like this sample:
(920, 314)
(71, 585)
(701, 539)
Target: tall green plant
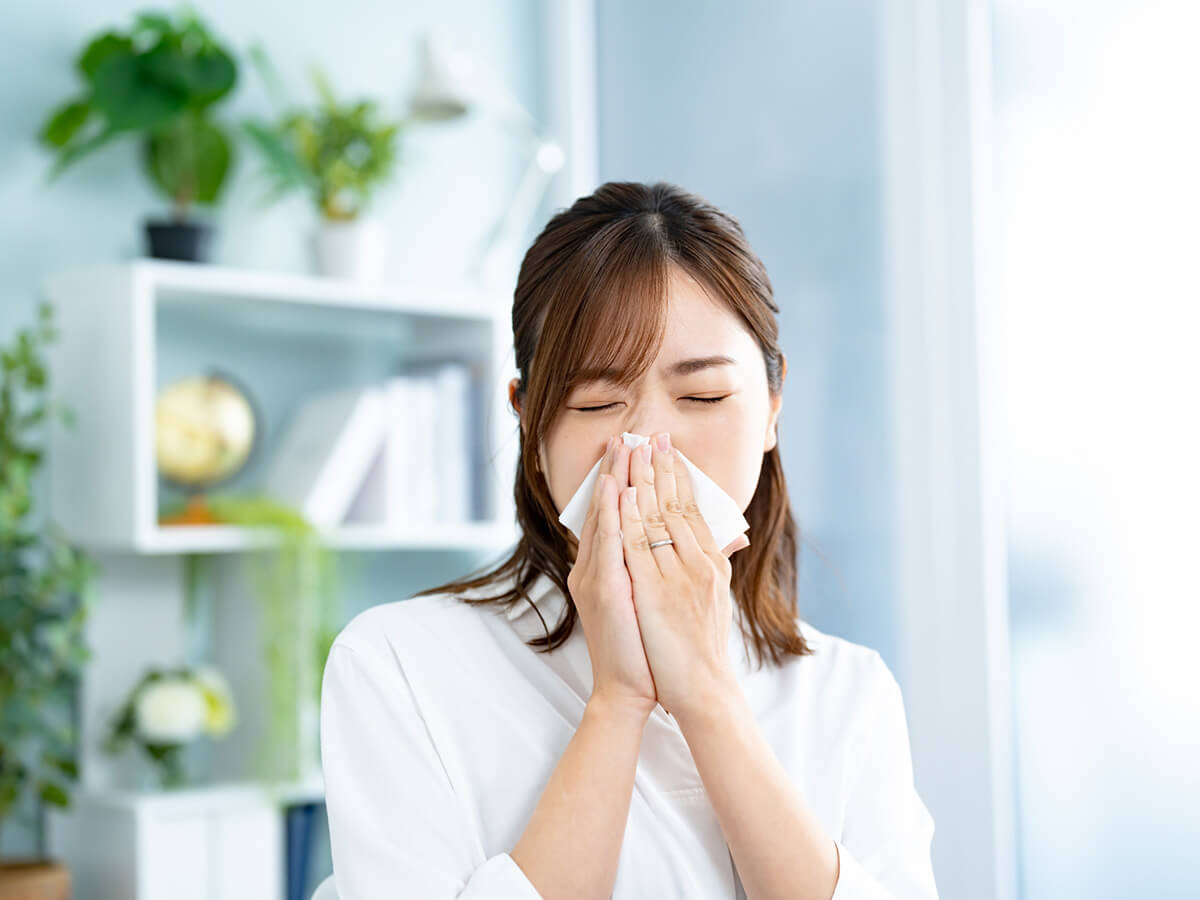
(161, 80)
(45, 593)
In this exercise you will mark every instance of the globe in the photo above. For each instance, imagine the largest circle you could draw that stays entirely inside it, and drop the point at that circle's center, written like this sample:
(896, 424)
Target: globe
(204, 430)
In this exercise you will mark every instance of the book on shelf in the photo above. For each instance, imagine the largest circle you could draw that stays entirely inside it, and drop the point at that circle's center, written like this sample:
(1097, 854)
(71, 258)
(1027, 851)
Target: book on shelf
(370, 504)
(404, 451)
(326, 450)
(432, 442)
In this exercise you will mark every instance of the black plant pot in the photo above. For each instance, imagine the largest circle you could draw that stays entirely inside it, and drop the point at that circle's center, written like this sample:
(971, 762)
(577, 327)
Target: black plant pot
(188, 241)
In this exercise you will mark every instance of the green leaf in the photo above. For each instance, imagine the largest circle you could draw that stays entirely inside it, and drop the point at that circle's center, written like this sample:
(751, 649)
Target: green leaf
(213, 154)
(63, 765)
(53, 793)
(152, 21)
(79, 149)
(189, 160)
(266, 70)
(130, 98)
(201, 78)
(8, 798)
(281, 159)
(108, 44)
(209, 77)
(64, 123)
(324, 89)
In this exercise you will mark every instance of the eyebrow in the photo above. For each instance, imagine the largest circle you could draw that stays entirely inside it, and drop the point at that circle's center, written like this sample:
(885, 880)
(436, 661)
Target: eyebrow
(676, 370)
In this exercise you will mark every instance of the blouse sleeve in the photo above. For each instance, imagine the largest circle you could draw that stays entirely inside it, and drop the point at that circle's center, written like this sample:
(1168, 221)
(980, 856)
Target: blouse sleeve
(396, 828)
(885, 848)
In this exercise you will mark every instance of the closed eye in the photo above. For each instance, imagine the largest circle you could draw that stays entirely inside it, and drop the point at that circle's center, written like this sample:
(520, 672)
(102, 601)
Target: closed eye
(695, 399)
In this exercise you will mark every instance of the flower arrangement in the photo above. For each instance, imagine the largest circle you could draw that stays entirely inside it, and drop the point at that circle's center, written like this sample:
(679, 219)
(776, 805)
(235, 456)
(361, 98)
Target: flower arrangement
(167, 710)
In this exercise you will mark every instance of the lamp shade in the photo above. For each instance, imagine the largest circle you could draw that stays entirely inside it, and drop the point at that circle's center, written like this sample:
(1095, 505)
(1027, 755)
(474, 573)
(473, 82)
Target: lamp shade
(442, 89)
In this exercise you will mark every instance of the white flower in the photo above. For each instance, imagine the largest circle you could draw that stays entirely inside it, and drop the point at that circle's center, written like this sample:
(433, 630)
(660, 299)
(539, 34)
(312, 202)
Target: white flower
(220, 712)
(170, 711)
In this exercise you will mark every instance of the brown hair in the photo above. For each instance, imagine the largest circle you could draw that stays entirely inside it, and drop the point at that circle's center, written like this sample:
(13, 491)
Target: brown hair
(599, 269)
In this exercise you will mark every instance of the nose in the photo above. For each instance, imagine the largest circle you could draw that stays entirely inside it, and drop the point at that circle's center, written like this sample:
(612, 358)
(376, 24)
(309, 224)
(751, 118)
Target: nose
(643, 430)
(648, 425)
(647, 431)
(650, 415)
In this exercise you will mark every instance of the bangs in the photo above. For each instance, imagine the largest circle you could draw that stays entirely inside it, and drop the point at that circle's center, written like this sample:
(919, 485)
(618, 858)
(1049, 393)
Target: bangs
(613, 328)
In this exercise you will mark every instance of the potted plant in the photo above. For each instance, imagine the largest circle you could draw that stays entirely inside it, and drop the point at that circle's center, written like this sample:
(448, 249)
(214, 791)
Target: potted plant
(47, 595)
(160, 81)
(167, 710)
(339, 153)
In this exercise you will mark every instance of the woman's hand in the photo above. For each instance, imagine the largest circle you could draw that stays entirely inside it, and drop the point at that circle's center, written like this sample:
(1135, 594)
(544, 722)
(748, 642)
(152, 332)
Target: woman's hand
(603, 593)
(680, 590)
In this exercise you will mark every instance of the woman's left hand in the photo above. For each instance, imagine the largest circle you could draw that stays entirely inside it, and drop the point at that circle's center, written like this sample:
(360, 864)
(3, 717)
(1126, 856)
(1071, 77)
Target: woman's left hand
(680, 590)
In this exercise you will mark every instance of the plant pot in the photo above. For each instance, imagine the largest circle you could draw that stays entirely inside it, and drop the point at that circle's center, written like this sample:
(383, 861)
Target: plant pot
(34, 879)
(352, 249)
(189, 241)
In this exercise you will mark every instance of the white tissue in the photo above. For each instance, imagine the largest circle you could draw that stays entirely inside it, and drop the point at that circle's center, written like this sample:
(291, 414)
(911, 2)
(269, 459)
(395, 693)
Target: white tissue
(720, 511)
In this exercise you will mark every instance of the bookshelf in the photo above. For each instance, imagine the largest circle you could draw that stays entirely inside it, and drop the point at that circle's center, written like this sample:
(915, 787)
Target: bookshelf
(127, 330)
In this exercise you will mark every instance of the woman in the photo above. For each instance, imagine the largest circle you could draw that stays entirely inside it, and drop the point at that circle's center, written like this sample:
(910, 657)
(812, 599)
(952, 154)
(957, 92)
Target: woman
(508, 736)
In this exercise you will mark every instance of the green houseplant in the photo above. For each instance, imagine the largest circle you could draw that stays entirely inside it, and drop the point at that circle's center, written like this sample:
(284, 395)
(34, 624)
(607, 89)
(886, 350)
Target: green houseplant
(161, 81)
(337, 152)
(297, 587)
(45, 598)
(296, 584)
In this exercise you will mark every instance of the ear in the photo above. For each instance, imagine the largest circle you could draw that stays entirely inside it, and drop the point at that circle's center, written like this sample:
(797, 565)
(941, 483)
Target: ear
(771, 439)
(512, 399)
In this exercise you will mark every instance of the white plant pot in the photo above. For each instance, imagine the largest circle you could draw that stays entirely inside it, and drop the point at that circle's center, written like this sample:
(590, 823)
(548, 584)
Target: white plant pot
(352, 250)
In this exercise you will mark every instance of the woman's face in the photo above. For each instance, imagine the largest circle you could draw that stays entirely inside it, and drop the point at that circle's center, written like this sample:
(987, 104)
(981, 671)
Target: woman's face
(725, 439)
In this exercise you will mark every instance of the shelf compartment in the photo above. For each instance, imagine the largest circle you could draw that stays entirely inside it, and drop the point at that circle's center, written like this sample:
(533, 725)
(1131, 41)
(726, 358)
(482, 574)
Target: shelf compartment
(128, 329)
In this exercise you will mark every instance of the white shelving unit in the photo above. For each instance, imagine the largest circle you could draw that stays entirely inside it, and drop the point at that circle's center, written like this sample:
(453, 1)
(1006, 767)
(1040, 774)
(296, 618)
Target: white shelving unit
(225, 841)
(130, 328)
(127, 330)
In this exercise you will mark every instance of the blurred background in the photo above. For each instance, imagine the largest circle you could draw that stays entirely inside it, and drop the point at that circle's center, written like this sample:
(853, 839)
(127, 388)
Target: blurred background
(271, 224)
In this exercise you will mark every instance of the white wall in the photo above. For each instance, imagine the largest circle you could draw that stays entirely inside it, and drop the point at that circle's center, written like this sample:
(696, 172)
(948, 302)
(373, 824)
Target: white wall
(1098, 214)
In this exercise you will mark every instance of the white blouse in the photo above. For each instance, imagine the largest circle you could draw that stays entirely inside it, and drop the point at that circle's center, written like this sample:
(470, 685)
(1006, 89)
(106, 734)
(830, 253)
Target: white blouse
(440, 728)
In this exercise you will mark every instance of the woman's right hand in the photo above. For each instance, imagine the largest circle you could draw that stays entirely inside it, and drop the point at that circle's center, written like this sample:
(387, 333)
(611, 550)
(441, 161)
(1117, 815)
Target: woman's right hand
(603, 593)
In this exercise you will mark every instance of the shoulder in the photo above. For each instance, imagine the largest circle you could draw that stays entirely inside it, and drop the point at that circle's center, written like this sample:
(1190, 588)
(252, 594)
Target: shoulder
(842, 661)
(404, 661)
(377, 631)
(848, 681)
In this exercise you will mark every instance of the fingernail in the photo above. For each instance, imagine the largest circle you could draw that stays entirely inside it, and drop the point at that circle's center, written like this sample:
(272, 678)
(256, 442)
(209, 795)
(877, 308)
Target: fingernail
(645, 451)
(608, 447)
(664, 442)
